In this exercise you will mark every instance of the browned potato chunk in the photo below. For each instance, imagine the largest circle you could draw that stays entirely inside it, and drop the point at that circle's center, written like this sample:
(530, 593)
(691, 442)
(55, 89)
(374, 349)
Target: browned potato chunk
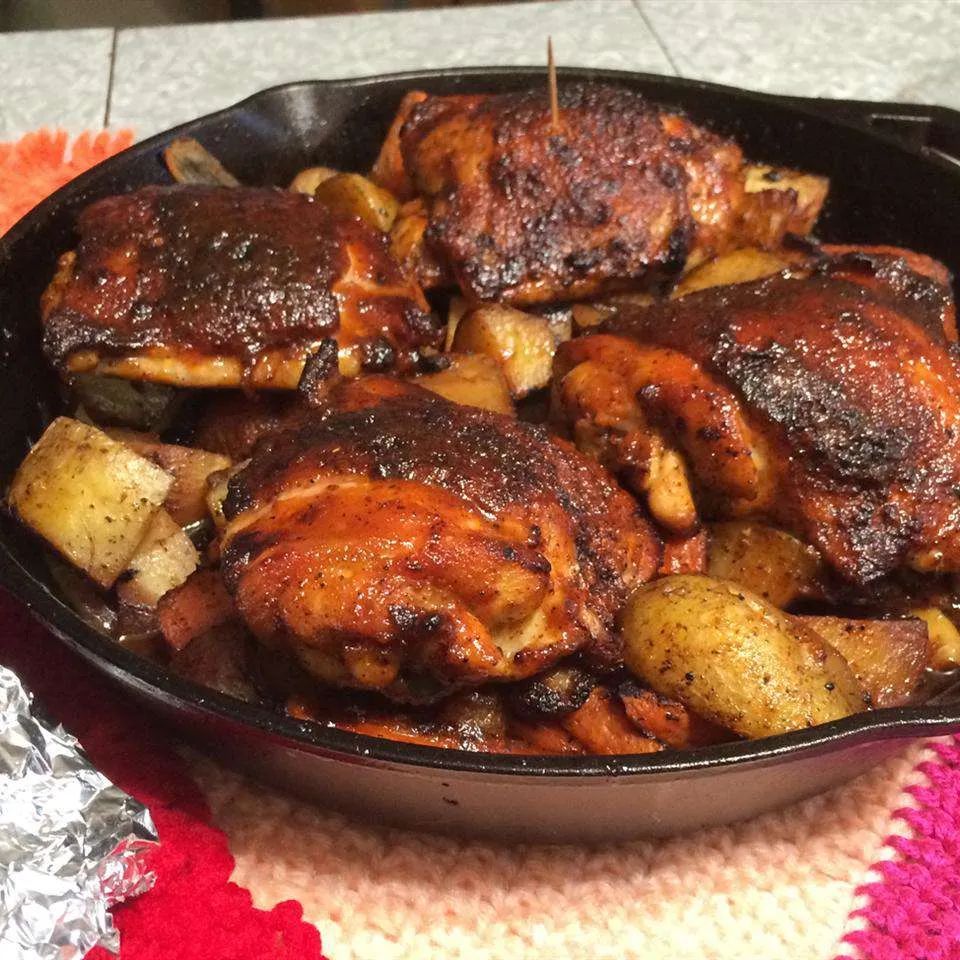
(351, 195)
(471, 379)
(888, 656)
(164, 560)
(810, 193)
(768, 561)
(944, 638)
(522, 343)
(89, 496)
(734, 659)
(307, 181)
(187, 499)
(740, 266)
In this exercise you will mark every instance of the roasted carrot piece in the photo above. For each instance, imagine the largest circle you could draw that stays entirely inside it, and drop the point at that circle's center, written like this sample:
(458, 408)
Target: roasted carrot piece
(668, 720)
(545, 737)
(201, 604)
(602, 726)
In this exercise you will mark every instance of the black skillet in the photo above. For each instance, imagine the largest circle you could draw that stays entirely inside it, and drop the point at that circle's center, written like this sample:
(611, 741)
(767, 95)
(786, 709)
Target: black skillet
(894, 180)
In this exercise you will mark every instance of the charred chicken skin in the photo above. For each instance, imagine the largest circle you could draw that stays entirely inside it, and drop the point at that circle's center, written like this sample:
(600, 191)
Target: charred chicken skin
(402, 543)
(223, 287)
(618, 192)
(828, 402)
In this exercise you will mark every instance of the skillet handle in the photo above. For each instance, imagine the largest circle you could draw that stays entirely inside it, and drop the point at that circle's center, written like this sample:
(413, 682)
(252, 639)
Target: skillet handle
(934, 130)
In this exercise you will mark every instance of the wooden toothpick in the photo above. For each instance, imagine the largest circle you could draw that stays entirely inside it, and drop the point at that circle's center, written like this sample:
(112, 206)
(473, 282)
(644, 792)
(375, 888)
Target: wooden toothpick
(552, 85)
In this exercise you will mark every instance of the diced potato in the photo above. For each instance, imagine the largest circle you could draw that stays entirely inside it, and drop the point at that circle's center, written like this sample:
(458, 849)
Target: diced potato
(89, 496)
(190, 468)
(471, 379)
(307, 180)
(733, 659)
(164, 560)
(810, 193)
(944, 638)
(740, 266)
(351, 195)
(763, 559)
(522, 343)
(888, 656)
(199, 605)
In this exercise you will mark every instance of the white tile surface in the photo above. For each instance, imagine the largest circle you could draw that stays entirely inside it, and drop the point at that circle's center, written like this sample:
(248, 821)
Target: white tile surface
(166, 75)
(861, 49)
(53, 79)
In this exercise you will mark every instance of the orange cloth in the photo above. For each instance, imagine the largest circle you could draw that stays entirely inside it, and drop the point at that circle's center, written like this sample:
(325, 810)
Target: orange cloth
(34, 166)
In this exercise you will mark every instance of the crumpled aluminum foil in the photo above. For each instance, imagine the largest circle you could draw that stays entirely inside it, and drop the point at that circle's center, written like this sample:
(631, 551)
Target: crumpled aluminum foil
(71, 843)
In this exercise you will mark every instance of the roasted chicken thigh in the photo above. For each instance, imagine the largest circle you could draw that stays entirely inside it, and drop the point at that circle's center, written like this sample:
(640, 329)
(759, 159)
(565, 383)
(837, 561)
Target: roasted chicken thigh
(402, 543)
(617, 192)
(827, 402)
(225, 287)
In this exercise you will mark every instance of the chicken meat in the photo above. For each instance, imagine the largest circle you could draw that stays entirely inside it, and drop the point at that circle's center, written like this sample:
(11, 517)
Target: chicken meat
(402, 543)
(617, 192)
(224, 287)
(826, 400)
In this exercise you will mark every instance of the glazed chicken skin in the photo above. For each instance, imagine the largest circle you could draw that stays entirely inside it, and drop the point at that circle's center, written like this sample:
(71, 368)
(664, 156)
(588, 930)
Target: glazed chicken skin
(402, 543)
(828, 403)
(620, 192)
(224, 287)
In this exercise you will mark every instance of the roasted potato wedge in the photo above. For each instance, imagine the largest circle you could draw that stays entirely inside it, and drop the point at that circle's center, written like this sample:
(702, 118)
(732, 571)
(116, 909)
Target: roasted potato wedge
(522, 343)
(734, 659)
(471, 379)
(767, 561)
(944, 638)
(165, 558)
(809, 193)
(90, 497)
(351, 195)
(740, 266)
(887, 656)
(307, 180)
(190, 468)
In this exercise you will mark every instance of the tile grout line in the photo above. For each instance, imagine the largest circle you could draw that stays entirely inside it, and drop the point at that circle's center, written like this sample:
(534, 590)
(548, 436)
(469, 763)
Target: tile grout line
(656, 36)
(113, 60)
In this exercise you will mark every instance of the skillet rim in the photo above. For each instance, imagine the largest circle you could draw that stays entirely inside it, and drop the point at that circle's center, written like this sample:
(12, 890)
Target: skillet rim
(186, 697)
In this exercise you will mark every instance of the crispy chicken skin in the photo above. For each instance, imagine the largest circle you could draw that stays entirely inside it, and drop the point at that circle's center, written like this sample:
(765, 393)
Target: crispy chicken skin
(621, 193)
(402, 543)
(828, 403)
(221, 287)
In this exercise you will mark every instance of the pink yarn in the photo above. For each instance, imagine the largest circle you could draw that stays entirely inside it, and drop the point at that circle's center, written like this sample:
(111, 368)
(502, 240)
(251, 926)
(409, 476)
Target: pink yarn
(913, 911)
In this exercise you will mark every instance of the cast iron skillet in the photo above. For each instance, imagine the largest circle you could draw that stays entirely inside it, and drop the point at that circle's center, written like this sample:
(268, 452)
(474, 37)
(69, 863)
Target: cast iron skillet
(893, 181)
